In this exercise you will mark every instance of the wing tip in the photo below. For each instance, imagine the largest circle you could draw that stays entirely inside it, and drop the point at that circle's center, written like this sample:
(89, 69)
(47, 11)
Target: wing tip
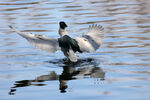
(94, 27)
(13, 28)
(10, 26)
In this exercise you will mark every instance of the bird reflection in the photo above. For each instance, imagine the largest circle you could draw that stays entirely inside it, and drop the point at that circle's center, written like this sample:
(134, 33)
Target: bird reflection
(84, 68)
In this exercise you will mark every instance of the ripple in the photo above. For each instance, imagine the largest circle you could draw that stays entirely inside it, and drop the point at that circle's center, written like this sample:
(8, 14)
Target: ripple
(119, 68)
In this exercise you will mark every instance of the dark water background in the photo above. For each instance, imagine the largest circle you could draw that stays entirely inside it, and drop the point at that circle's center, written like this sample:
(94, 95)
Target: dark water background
(119, 70)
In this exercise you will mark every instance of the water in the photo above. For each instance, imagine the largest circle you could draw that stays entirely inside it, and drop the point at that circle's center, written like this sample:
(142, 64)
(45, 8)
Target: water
(119, 70)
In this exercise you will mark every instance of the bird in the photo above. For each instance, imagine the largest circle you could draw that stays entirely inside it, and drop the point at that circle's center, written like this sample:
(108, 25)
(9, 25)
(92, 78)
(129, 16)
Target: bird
(89, 42)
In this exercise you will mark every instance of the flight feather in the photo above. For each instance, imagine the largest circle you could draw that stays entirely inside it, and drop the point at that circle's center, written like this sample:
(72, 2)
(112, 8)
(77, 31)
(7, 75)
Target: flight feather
(40, 41)
(91, 40)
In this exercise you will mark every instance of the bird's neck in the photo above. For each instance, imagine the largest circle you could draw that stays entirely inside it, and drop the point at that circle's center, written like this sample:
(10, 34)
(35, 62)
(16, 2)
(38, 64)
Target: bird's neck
(62, 32)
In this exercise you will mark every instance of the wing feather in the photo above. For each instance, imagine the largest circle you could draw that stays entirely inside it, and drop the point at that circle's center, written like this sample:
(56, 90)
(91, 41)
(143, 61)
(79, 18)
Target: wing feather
(40, 41)
(91, 40)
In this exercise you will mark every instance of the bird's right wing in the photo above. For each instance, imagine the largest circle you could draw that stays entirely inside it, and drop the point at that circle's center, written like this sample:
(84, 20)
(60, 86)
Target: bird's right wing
(40, 41)
(91, 40)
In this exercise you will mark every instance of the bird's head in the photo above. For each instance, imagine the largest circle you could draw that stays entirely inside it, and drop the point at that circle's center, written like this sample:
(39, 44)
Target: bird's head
(63, 25)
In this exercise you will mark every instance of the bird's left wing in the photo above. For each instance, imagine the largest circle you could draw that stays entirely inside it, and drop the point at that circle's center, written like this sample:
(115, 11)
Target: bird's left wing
(40, 41)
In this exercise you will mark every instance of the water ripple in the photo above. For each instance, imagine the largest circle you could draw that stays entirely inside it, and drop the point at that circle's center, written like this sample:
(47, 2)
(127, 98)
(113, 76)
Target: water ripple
(119, 68)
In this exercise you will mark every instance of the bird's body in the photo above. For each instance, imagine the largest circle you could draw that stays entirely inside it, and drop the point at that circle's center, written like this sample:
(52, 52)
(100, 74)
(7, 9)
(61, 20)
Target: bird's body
(69, 46)
(69, 43)
(89, 42)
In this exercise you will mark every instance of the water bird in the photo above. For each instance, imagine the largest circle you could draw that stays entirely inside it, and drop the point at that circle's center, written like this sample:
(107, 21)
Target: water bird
(89, 42)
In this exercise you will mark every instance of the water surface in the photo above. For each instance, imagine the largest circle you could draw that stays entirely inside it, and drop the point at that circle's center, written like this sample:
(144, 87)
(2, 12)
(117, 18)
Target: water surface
(120, 69)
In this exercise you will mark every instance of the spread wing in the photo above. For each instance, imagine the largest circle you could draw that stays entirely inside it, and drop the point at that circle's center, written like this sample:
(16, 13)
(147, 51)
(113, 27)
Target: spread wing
(92, 40)
(40, 41)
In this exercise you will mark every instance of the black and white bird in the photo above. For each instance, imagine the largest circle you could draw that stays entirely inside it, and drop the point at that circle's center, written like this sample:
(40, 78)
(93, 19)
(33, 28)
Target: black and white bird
(89, 42)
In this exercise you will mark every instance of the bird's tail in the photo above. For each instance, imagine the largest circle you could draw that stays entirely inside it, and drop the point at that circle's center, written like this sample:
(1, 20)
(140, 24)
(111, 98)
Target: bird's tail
(72, 56)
